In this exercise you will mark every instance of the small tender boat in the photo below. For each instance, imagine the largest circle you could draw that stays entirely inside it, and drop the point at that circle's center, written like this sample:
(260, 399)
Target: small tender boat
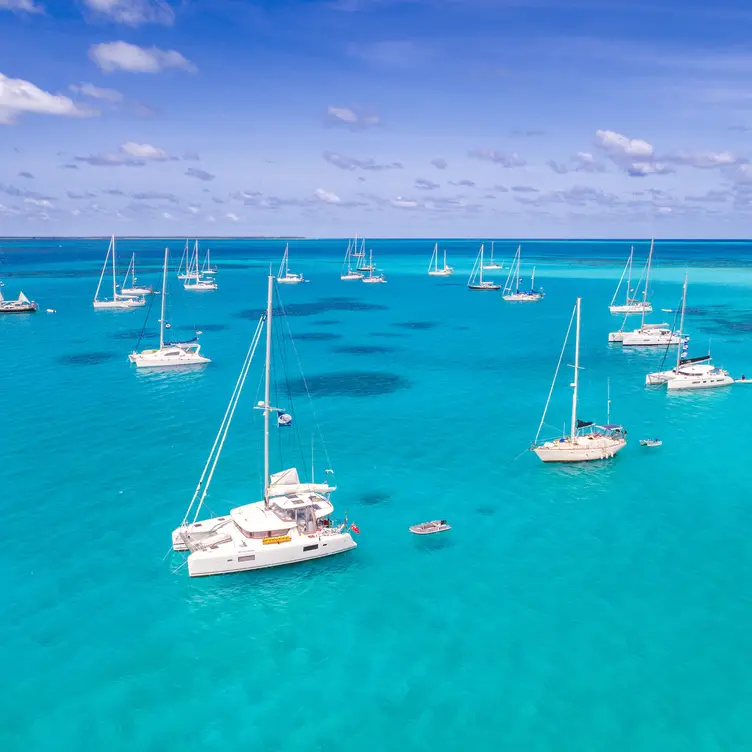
(427, 528)
(651, 442)
(743, 380)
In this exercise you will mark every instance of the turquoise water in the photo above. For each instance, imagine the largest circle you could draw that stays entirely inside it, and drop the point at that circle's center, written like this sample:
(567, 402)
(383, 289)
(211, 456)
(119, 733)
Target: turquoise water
(578, 608)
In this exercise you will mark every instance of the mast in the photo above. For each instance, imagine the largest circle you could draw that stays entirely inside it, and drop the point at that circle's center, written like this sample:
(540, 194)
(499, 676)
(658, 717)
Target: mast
(517, 275)
(576, 373)
(532, 281)
(481, 264)
(437, 257)
(434, 262)
(629, 274)
(267, 385)
(647, 283)
(681, 324)
(104, 269)
(608, 401)
(164, 295)
(492, 250)
(114, 286)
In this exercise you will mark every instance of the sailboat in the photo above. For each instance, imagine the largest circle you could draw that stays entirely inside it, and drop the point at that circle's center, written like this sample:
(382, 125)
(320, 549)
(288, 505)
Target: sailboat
(284, 276)
(169, 354)
(433, 264)
(493, 264)
(133, 288)
(118, 301)
(348, 273)
(21, 305)
(362, 266)
(292, 523)
(689, 373)
(476, 281)
(630, 304)
(358, 251)
(195, 281)
(373, 279)
(512, 290)
(207, 268)
(586, 441)
(184, 263)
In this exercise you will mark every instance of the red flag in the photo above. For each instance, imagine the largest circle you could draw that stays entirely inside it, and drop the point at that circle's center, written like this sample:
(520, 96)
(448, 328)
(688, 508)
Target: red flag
(355, 528)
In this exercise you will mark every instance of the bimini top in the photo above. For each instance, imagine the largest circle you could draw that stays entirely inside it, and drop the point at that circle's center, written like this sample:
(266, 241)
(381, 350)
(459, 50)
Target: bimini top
(287, 483)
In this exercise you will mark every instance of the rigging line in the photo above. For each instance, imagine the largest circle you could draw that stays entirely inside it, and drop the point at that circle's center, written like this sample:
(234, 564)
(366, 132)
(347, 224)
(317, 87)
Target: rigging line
(244, 373)
(558, 366)
(668, 344)
(146, 321)
(246, 361)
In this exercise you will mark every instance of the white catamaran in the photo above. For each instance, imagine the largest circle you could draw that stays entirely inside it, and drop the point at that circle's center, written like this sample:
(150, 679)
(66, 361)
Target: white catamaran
(689, 373)
(292, 523)
(133, 289)
(476, 281)
(118, 301)
(512, 290)
(433, 264)
(196, 281)
(492, 264)
(284, 275)
(631, 303)
(586, 441)
(169, 354)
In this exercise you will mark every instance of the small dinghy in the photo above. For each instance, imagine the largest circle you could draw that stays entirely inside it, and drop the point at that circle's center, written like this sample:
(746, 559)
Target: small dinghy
(427, 528)
(743, 380)
(650, 442)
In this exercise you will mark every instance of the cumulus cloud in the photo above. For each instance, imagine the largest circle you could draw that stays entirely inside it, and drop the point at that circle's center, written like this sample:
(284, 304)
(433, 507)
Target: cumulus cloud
(704, 160)
(633, 155)
(232, 217)
(425, 185)
(18, 96)
(113, 192)
(112, 56)
(42, 202)
(95, 92)
(132, 12)
(194, 172)
(327, 197)
(351, 163)
(498, 157)
(355, 120)
(404, 203)
(129, 154)
(582, 161)
(577, 195)
(69, 167)
(439, 163)
(21, 6)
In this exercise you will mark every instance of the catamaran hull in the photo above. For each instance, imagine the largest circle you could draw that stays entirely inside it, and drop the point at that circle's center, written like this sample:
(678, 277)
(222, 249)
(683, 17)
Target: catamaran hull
(522, 298)
(166, 361)
(348, 277)
(136, 292)
(119, 305)
(578, 454)
(207, 563)
(440, 273)
(642, 340)
(492, 266)
(289, 280)
(680, 383)
(636, 308)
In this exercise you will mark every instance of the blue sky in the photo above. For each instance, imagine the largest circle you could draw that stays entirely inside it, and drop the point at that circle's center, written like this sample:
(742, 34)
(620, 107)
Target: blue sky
(418, 118)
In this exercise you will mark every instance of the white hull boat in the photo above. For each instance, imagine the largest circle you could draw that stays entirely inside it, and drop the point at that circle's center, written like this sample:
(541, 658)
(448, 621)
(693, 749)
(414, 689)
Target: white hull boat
(632, 308)
(373, 279)
(196, 282)
(582, 449)
(133, 290)
(476, 281)
(512, 292)
(118, 302)
(492, 264)
(699, 376)
(433, 264)
(348, 273)
(21, 305)
(631, 305)
(284, 275)
(651, 337)
(291, 524)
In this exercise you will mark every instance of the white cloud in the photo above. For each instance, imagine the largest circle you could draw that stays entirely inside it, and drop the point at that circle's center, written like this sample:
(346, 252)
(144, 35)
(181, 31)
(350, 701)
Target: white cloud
(130, 154)
(21, 6)
(111, 56)
(705, 159)
(404, 203)
(232, 217)
(426, 185)
(95, 92)
(351, 163)
(352, 119)
(18, 96)
(133, 12)
(143, 151)
(38, 202)
(497, 157)
(167, 215)
(327, 196)
(616, 143)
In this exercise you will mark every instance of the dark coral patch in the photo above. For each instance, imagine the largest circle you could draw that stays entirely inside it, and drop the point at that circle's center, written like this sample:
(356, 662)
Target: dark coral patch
(350, 384)
(87, 359)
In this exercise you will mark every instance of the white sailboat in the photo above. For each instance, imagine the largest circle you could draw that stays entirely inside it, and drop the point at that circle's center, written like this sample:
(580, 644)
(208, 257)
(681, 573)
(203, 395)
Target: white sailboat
(21, 305)
(196, 281)
(359, 251)
(292, 523)
(207, 269)
(433, 264)
(169, 354)
(373, 279)
(133, 289)
(689, 373)
(512, 290)
(348, 273)
(362, 266)
(476, 281)
(586, 441)
(184, 263)
(118, 301)
(630, 304)
(284, 275)
(492, 264)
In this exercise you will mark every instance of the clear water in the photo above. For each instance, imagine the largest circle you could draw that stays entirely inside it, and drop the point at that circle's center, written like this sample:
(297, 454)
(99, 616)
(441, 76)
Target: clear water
(573, 608)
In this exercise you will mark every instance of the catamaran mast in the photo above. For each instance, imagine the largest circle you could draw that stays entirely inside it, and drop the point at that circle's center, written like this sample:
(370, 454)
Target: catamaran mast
(647, 283)
(629, 274)
(114, 285)
(681, 325)
(267, 385)
(576, 373)
(164, 295)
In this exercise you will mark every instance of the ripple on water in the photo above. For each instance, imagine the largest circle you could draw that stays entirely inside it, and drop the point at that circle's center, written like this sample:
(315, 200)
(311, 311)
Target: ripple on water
(350, 384)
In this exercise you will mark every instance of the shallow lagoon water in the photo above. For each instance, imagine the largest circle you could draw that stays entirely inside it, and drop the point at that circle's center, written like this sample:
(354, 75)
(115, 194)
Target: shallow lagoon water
(584, 608)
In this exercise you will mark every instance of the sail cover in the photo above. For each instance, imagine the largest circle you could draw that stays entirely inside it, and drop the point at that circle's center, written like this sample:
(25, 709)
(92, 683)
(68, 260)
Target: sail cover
(287, 482)
(685, 361)
(584, 423)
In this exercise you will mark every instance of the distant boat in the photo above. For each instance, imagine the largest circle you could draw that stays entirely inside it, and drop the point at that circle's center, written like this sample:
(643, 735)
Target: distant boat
(169, 354)
(586, 441)
(362, 266)
(512, 290)
(348, 273)
(133, 290)
(373, 279)
(493, 264)
(284, 275)
(196, 281)
(118, 301)
(433, 264)
(184, 261)
(631, 304)
(428, 528)
(21, 305)
(476, 281)
(207, 268)
(651, 442)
